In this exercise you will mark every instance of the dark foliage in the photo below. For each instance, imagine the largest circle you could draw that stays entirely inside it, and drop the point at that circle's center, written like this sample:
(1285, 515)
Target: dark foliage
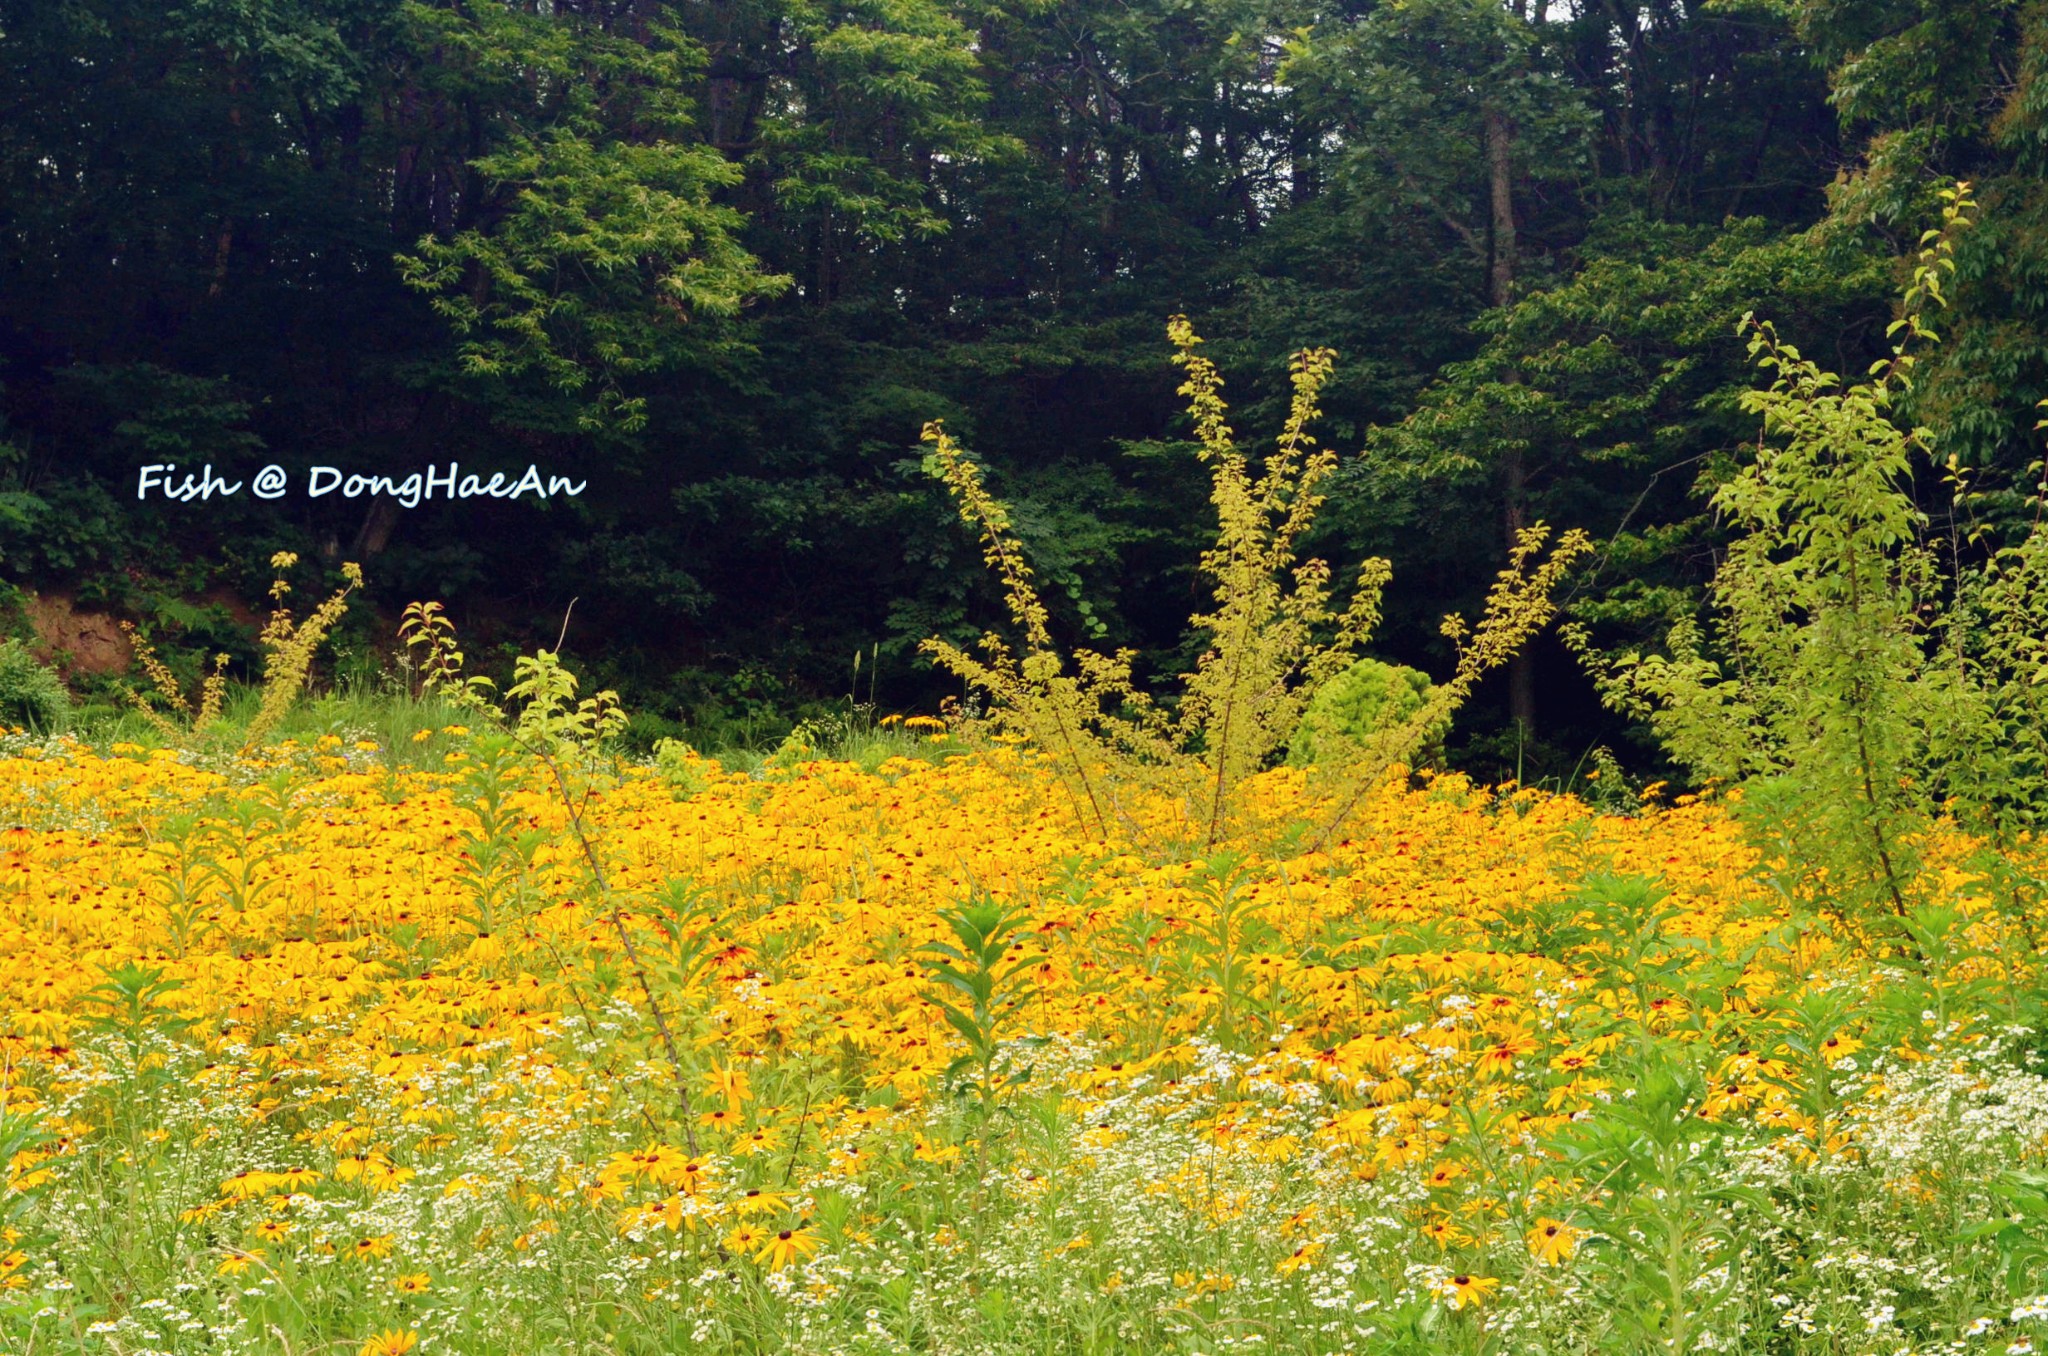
(722, 261)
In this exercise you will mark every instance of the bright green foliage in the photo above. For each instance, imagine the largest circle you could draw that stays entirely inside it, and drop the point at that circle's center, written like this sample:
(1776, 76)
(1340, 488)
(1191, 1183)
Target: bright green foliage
(23, 1133)
(289, 646)
(426, 629)
(603, 251)
(1273, 639)
(1223, 936)
(988, 986)
(1825, 677)
(135, 1000)
(1666, 1221)
(550, 718)
(1829, 681)
(31, 693)
(1853, 675)
(682, 768)
(500, 846)
(2021, 1236)
(1263, 655)
(1998, 627)
(1353, 706)
(1931, 91)
(888, 78)
(1264, 658)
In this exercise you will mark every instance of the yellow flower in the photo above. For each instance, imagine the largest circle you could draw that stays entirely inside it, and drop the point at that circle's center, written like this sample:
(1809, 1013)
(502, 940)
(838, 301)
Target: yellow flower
(758, 1202)
(413, 1283)
(1725, 1098)
(1445, 1234)
(390, 1342)
(1203, 1283)
(729, 1084)
(1498, 1061)
(1303, 1256)
(659, 1163)
(1839, 1047)
(1402, 1150)
(1468, 1292)
(1444, 1174)
(237, 1262)
(746, 1239)
(352, 980)
(941, 1154)
(787, 1247)
(1552, 1241)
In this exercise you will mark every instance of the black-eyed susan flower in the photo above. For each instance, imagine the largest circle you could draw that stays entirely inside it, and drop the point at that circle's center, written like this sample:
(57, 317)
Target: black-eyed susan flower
(1552, 1241)
(371, 1245)
(783, 1249)
(1466, 1291)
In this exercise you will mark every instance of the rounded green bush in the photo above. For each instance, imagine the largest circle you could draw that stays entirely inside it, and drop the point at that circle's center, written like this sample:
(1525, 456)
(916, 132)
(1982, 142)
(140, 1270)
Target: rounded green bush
(685, 770)
(31, 693)
(1368, 697)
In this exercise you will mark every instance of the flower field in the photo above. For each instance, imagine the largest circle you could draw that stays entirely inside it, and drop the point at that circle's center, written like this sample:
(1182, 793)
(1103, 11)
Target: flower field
(343, 1052)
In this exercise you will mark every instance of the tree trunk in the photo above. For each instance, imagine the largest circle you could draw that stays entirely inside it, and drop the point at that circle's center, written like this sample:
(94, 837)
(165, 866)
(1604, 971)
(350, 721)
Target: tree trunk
(1515, 517)
(1500, 139)
(378, 525)
(1501, 292)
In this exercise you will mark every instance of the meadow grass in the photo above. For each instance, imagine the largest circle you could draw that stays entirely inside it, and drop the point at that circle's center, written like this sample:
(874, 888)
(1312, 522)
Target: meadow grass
(406, 728)
(335, 1049)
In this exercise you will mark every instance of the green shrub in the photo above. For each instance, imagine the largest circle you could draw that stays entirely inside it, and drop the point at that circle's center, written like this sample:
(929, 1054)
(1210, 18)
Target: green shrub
(1276, 635)
(1857, 674)
(682, 768)
(1361, 701)
(31, 693)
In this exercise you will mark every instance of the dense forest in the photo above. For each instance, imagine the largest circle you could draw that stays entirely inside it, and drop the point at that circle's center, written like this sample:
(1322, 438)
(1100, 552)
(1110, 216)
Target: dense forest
(719, 262)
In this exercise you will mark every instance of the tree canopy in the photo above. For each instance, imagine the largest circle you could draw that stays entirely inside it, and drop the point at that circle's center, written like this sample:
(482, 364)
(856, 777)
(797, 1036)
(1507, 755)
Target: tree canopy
(722, 262)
